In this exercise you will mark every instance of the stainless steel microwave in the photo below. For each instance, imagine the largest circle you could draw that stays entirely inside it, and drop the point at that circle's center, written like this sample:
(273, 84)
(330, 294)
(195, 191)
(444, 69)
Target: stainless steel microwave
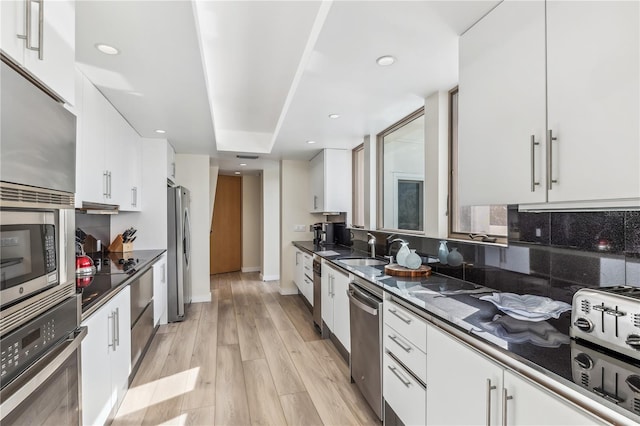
(29, 253)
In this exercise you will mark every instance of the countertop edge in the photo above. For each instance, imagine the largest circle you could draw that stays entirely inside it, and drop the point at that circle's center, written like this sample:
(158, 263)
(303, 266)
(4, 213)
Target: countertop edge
(116, 290)
(573, 393)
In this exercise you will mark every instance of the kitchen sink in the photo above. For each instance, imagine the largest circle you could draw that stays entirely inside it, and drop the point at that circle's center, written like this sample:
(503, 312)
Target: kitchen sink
(363, 261)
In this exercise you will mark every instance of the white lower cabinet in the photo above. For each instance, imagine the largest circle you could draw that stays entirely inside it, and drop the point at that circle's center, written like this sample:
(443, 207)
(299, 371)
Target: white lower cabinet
(465, 387)
(106, 359)
(335, 303)
(403, 392)
(303, 274)
(160, 291)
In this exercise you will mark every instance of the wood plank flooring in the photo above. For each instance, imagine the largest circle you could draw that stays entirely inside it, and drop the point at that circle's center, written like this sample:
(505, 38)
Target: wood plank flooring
(249, 357)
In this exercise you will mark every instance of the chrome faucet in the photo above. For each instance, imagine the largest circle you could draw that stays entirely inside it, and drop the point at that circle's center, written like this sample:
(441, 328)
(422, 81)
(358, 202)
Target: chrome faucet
(372, 243)
(396, 240)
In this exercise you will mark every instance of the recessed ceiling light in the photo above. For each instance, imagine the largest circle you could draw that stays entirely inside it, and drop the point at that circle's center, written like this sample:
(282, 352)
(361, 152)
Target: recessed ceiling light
(237, 173)
(310, 142)
(385, 60)
(106, 49)
(334, 115)
(243, 164)
(161, 131)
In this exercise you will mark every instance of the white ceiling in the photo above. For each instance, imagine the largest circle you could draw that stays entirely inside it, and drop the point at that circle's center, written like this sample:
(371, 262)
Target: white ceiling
(229, 77)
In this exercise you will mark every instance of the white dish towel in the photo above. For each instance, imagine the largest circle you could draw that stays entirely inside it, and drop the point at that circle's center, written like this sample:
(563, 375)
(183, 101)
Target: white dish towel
(527, 307)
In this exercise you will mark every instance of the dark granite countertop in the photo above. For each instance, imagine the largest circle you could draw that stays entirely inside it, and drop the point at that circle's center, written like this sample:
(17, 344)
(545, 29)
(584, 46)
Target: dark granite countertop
(544, 346)
(109, 280)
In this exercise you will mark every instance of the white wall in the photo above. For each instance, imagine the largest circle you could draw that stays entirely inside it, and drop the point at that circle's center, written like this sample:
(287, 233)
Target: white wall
(213, 184)
(192, 172)
(436, 159)
(270, 266)
(295, 185)
(251, 223)
(151, 222)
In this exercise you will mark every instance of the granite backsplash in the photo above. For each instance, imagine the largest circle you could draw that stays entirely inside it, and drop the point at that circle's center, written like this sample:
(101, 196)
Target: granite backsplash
(549, 253)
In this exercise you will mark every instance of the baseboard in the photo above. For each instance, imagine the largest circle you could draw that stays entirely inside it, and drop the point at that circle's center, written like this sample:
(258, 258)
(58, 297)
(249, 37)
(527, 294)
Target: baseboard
(269, 277)
(288, 291)
(203, 298)
(250, 269)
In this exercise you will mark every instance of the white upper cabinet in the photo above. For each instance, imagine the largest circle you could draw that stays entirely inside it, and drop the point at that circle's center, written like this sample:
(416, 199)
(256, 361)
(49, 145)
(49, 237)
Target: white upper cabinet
(108, 157)
(593, 100)
(48, 52)
(331, 181)
(581, 85)
(171, 163)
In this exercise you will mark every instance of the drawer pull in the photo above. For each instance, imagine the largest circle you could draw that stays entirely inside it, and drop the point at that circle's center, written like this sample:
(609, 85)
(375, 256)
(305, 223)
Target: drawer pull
(402, 317)
(505, 398)
(395, 371)
(397, 341)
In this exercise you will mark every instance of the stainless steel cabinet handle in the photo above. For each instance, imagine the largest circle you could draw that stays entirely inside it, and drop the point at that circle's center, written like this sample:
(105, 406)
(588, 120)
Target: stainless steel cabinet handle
(550, 179)
(533, 163)
(297, 258)
(333, 285)
(104, 184)
(505, 397)
(173, 170)
(117, 329)
(164, 272)
(27, 36)
(395, 371)
(490, 387)
(315, 202)
(402, 317)
(397, 341)
(112, 318)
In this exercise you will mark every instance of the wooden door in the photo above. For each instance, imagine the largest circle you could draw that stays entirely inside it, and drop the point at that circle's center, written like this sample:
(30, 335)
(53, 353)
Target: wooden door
(226, 226)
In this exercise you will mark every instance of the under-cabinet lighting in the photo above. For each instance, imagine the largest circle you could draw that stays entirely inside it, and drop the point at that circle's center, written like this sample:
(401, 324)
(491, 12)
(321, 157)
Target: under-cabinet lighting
(106, 49)
(160, 131)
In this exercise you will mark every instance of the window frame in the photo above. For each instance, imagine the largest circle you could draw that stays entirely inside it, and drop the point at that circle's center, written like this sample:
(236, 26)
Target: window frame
(380, 175)
(354, 204)
(451, 212)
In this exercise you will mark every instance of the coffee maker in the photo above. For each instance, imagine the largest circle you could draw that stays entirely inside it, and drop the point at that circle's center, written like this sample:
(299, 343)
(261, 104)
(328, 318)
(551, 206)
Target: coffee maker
(323, 233)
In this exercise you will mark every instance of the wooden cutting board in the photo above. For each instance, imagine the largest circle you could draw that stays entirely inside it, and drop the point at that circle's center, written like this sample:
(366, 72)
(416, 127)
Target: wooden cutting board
(400, 271)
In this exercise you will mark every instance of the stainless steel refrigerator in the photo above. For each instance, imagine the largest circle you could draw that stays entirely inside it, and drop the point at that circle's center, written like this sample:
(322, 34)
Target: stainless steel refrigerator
(178, 252)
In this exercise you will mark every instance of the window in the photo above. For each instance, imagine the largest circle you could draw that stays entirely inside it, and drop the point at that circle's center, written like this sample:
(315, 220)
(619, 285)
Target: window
(401, 183)
(358, 185)
(465, 220)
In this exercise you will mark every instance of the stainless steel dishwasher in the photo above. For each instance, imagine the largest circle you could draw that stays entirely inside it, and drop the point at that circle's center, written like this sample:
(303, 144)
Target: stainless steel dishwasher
(365, 317)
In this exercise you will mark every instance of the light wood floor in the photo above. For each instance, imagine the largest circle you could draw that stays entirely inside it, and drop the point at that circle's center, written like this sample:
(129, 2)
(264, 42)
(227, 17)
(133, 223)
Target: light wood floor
(250, 357)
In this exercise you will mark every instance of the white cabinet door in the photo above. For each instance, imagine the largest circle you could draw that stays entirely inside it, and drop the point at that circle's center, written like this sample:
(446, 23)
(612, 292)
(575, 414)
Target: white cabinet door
(55, 66)
(502, 107)
(13, 24)
(121, 356)
(341, 324)
(475, 384)
(91, 183)
(593, 74)
(96, 367)
(298, 271)
(326, 286)
(527, 403)
(171, 163)
(317, 182)
(160, 291)
(106, 359)
(331, 181)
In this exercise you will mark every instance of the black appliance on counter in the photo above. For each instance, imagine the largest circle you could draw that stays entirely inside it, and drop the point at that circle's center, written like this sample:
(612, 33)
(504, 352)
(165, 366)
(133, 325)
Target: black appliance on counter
(342, 234)
(325, 233)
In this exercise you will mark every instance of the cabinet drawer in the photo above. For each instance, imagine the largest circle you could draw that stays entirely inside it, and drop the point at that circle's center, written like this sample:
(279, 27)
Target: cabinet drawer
(405, 322)
(406, 352)
(403, 393)
(308, 290)
(307, 264)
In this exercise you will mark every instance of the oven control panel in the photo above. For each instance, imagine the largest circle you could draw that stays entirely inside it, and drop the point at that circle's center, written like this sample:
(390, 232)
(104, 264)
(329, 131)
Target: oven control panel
(26, 344)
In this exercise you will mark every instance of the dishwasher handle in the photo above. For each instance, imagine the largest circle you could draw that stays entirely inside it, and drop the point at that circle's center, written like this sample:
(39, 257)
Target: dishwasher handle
(358, 299)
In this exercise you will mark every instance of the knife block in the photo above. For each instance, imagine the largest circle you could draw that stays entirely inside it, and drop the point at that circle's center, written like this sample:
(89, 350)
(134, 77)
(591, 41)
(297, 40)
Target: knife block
(118, 245)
